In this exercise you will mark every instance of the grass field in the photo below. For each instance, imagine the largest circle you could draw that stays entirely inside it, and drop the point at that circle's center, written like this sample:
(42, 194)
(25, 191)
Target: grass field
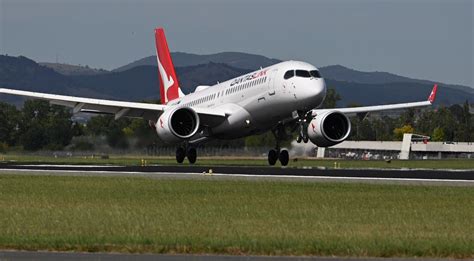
(243, 161)
(235, 217)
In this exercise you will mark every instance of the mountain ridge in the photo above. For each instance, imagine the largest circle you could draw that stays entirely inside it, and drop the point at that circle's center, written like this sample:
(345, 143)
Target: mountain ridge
(342, 73)
(253, 62)
(141, 83)
(71, 69)
(182, 59)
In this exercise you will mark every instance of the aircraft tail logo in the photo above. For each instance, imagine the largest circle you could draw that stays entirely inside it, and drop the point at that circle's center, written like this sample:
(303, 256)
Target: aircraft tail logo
(432, 96)
(169, 85)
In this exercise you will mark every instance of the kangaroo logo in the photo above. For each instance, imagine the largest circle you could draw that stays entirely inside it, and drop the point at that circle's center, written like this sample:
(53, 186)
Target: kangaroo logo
(168, 81)
(433, 94)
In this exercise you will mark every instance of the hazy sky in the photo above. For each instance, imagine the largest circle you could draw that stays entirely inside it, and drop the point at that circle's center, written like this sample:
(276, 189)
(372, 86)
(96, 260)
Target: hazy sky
(429, 39)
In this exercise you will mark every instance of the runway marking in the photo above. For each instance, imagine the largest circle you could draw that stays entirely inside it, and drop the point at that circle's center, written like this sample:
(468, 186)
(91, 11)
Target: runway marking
(71, 166)
(241, 175)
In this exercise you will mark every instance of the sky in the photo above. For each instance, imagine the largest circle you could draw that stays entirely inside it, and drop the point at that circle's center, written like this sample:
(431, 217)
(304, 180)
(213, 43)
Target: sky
(425, 39)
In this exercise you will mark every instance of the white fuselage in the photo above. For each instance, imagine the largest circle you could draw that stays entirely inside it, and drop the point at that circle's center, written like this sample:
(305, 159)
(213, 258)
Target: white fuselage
(258, 101)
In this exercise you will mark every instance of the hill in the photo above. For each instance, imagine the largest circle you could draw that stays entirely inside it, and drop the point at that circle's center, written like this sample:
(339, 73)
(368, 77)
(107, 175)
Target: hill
(253, 62)
(398, 92)
(25, 74)
(69, 69)
(234, 59)
(341, 73)
(141, 82)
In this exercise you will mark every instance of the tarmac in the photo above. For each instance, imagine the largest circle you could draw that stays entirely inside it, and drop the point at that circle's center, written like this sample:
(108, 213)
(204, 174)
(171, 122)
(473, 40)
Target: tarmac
(410, 176)
(59, 256)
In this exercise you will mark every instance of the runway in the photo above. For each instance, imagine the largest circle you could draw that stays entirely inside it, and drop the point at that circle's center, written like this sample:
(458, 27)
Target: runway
(465, 177)
(30, 255)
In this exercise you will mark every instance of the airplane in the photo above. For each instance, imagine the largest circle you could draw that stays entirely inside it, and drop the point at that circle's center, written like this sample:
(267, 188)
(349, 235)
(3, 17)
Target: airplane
(275, 98)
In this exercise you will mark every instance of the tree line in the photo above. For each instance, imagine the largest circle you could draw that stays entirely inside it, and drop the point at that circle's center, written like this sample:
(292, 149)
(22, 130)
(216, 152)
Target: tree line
(41, 126)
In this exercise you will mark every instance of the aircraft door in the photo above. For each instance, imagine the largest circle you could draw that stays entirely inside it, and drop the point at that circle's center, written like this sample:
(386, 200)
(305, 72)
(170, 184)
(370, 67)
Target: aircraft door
(272, 82)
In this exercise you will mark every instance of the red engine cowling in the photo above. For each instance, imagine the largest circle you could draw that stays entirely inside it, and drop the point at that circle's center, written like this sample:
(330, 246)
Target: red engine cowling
(329, 128)
(177, 124)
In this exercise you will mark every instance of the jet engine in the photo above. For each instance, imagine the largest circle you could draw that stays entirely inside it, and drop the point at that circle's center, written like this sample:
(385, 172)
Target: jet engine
(177, 124)
(329, 128)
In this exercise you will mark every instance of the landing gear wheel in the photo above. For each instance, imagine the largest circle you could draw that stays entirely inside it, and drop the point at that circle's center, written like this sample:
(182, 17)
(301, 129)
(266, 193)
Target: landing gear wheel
(305, 138)
(298, 139)
(192, 155)
(272, 157)
(180, 155)
(284, 157)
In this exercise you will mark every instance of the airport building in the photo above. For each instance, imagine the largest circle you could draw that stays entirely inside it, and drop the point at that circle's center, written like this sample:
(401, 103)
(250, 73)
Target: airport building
(412, 147)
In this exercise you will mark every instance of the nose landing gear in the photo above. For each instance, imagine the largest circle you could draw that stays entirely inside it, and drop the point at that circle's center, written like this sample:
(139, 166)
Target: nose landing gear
(282, 155)
(303, 121)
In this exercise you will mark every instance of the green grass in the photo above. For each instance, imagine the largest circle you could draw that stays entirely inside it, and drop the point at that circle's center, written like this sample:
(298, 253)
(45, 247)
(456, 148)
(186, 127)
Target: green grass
(235, 217)
(242, 161)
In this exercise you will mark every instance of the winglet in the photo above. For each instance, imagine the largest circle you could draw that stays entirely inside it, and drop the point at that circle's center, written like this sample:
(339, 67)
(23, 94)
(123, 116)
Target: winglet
(432, 96)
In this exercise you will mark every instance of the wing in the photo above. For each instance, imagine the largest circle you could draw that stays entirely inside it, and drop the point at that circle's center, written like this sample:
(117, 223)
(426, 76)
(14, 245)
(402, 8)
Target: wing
(120, 109)
(365, 109)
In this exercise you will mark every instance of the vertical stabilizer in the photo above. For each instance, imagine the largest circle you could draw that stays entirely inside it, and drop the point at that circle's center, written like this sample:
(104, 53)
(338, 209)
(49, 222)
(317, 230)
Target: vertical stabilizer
(169, 85)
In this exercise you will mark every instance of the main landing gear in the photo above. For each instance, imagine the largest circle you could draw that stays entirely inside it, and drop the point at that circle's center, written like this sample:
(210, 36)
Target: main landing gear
(186, 151)
(279, 154)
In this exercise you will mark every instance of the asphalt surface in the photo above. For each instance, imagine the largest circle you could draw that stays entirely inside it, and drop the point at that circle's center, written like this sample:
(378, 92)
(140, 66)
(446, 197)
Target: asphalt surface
(26, 255)
(188, 171)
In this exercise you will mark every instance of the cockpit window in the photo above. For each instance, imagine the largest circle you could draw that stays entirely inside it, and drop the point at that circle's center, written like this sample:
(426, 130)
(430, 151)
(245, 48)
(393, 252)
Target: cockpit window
(302, 73)
(315, 74)
(289, 74)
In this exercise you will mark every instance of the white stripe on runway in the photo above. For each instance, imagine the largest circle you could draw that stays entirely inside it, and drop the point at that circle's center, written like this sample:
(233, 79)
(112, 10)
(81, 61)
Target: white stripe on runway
(68, 166)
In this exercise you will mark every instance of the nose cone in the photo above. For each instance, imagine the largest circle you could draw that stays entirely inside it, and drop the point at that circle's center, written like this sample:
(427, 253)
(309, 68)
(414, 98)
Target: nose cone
(311, 93)
(318, 92)
(320, 87)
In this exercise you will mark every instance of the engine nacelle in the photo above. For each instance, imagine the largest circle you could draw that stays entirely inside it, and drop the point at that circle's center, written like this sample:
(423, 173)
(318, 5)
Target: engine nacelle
(177, 124)
(329, 129)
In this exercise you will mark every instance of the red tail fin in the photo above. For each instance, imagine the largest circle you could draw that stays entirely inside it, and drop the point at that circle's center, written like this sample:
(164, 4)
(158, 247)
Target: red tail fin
(432, 96)
(169, 85)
